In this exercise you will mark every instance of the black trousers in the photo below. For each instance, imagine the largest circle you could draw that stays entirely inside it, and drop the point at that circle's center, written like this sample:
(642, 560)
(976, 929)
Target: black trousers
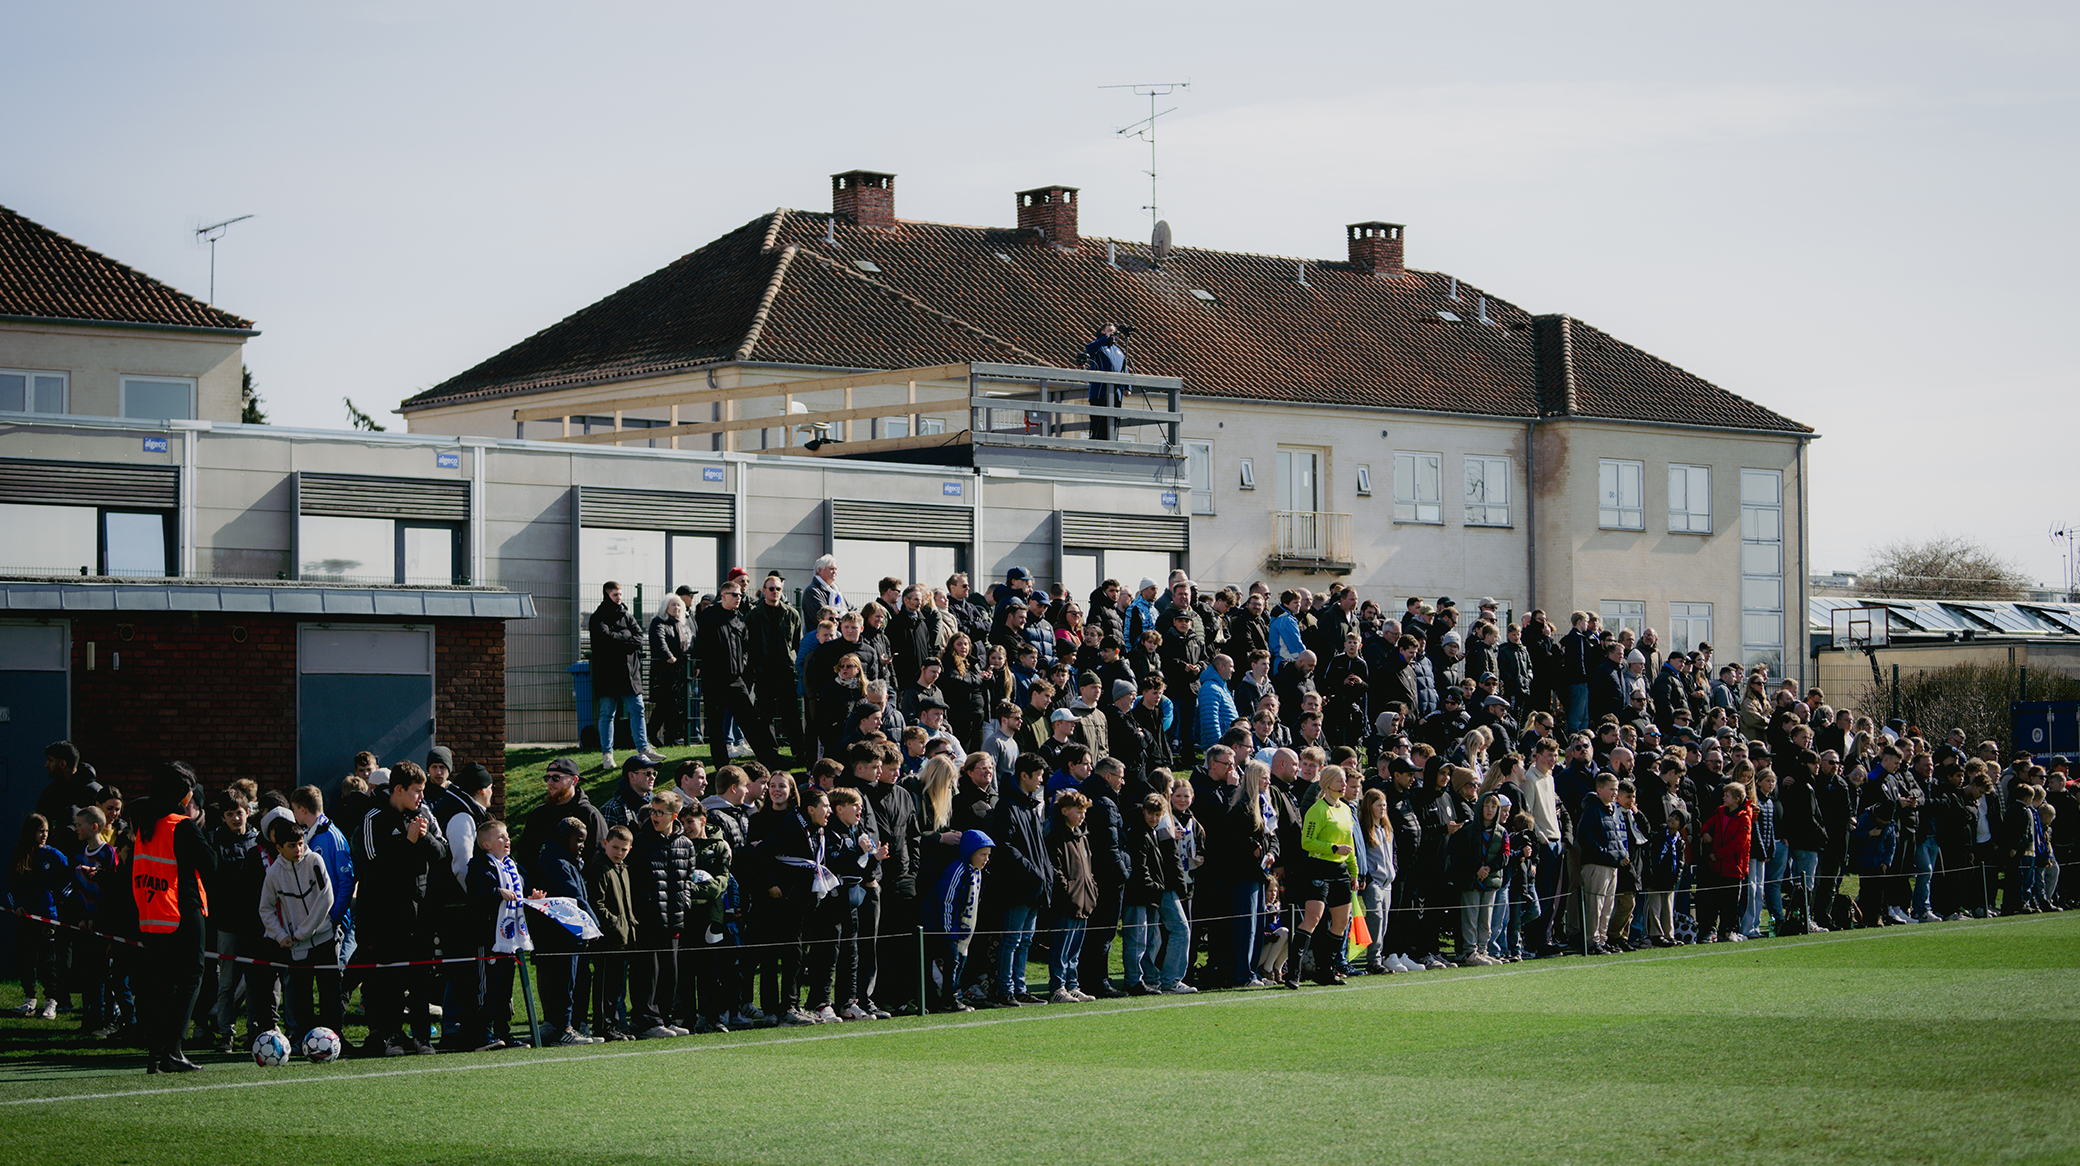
(1718, 903)
(263, 982)
(609, 983)
(556, 983)
(395, 998)
(314, 970)
(169, 979)
(893, 978)
(665, 718)
(779, 704)
(732, 699)
(461, 984)
(776, 941)
(653, 975)
(866, 954)
(826, 925)
(707, 976)
(1095, 966)
(495, 1014)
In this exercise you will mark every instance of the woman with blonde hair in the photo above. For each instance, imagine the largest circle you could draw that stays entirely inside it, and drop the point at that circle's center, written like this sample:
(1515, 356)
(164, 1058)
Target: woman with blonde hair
(1474, 746)
(941, 837)
(1242, 847)
(966, 686)
(1324, 882)
(1376, 846)
(671, 645)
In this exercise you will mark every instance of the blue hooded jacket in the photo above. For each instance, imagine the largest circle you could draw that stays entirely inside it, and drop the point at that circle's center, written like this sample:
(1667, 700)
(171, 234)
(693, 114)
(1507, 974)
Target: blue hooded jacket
(959, 890)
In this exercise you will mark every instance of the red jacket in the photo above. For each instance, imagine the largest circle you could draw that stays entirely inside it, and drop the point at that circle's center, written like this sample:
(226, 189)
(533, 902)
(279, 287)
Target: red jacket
(1728, 836)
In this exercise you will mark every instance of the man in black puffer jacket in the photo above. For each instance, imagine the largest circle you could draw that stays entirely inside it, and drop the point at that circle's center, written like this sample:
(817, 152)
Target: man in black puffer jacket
(660, 875)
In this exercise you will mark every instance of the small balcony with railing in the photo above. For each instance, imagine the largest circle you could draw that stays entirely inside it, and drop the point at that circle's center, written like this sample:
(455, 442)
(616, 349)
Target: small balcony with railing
(1311, 541)
(1026, 417)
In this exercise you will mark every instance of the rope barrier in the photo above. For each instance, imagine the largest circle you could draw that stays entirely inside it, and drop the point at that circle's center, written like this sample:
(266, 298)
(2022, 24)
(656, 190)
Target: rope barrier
(1559, 897)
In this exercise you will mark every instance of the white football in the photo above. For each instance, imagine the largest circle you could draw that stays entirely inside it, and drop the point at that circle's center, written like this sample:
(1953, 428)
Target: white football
(321, 1045)
(270, 1049)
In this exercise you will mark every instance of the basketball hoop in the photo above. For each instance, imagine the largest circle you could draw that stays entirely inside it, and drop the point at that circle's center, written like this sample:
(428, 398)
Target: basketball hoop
(1860, 627)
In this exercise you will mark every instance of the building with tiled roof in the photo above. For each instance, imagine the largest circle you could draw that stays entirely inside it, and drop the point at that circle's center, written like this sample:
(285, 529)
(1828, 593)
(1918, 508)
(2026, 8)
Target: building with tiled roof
(1531, 457)
(85, 335)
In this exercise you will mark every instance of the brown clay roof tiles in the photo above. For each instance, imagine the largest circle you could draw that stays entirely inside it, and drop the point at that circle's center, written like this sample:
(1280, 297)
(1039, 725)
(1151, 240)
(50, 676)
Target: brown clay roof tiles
(781, 290)
(44, 274)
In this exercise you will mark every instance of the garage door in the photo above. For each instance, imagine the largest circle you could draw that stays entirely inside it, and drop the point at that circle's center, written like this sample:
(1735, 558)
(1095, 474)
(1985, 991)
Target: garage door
(361, 687)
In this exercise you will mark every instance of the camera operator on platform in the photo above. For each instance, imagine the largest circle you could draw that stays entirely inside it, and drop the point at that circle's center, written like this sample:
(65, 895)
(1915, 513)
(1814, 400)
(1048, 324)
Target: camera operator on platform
(1105, 354)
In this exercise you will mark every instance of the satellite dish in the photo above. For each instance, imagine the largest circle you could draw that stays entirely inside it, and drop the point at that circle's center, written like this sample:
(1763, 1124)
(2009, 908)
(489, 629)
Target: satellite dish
(1159, 243)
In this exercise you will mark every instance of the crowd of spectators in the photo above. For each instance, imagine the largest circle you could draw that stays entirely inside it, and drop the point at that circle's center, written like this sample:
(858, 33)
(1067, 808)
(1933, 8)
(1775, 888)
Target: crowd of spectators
(1231, 789)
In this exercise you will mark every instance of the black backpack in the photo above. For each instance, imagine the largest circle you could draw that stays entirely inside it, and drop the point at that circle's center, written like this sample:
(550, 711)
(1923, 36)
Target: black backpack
(1846, 913)
(1797, 909)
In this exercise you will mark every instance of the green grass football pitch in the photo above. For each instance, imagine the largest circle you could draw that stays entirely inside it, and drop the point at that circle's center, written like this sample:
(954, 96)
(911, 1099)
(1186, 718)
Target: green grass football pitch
(1940, 1043)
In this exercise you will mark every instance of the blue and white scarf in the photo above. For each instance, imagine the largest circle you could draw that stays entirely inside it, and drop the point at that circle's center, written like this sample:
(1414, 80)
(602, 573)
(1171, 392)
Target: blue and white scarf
(821, 881)
(510, 934)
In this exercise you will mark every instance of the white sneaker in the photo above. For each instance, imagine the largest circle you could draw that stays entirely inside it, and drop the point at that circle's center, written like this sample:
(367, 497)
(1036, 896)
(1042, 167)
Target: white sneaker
(1180, 989)
(826, 1015)
(26, 1007)
(1928, 917)
(1063, 996)
(855, 1012)
(49, 1011)
(1735, 936)
(1083, 997)
(606, 761)
(1401, 963)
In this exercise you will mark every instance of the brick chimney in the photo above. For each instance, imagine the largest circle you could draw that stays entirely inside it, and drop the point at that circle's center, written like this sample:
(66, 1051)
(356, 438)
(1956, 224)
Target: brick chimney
(1376, 247)
(1050, 210)
(865, 197)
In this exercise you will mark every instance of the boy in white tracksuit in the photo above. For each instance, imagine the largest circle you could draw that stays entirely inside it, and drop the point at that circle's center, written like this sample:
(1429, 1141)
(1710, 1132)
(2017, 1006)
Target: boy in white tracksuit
(296, 912)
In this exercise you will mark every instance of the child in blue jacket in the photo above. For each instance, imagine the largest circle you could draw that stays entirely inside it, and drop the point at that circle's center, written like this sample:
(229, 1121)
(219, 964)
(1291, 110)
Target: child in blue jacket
(1872, 842)
(37, 879)
(951, 913)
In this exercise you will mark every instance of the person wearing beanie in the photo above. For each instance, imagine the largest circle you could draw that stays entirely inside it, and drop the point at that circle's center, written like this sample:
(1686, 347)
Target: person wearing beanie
(170, 916)
(460, 807)
(440, 766)
(1636, 678)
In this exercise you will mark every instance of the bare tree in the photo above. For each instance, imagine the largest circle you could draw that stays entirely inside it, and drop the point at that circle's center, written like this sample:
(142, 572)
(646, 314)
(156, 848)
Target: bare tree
(1941, 567)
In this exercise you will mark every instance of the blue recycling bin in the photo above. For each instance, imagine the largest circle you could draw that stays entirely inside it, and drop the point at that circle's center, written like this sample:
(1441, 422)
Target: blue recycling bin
(588, 712)
(581, 690)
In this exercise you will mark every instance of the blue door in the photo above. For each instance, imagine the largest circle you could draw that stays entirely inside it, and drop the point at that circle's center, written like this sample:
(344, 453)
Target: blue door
(35, 710)
(361, 686)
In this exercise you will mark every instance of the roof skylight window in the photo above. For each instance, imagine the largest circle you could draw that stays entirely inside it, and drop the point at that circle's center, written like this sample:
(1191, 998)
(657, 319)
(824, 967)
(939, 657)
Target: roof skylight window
(1203, 294)
(866, 265)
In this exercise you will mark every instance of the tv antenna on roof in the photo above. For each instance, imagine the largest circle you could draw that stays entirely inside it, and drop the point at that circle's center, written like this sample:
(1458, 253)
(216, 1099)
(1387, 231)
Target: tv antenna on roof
(1145, 129)
(2069, 534)
(210, 235)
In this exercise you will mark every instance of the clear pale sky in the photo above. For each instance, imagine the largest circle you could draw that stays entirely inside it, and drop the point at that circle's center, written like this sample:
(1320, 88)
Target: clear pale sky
(1858, 214)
